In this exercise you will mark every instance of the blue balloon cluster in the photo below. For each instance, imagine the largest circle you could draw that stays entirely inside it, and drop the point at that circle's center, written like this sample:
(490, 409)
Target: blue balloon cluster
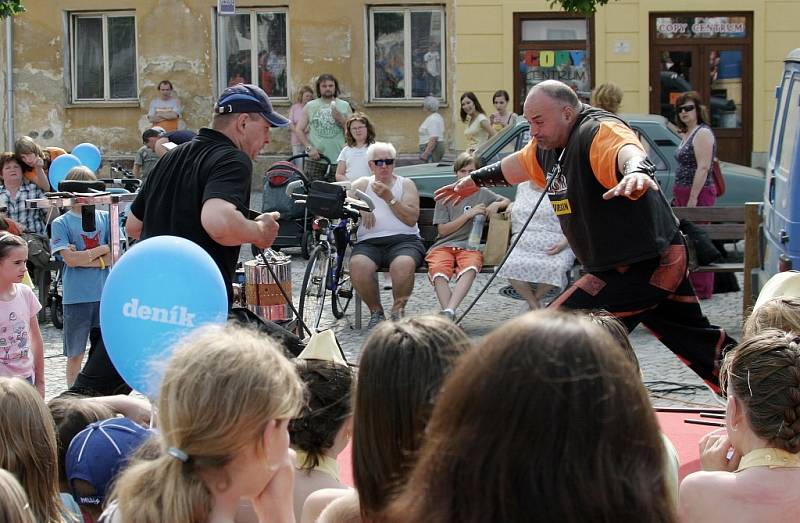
(83, 154)
(162, 289)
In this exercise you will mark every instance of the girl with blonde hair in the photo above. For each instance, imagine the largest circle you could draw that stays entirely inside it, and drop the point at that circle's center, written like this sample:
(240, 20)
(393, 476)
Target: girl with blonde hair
(28, 448)
(226, 399)
(782, 313)
(751, 468)
(14, 506)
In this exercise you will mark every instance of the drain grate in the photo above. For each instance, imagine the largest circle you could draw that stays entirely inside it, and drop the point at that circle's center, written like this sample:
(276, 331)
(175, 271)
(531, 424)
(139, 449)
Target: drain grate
(509, 292)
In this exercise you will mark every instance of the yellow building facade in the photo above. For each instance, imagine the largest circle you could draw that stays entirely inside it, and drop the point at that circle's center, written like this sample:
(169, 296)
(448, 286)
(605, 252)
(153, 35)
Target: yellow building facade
(731, 52)
(87, 70)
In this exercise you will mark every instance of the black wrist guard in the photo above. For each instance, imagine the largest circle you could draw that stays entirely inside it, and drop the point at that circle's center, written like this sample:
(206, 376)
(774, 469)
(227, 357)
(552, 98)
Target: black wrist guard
(640, 164)
(489, 176)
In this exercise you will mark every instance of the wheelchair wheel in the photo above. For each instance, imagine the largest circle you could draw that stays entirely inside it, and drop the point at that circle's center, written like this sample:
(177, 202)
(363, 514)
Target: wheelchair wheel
(312, 293)
(57, 312)
(340, 299)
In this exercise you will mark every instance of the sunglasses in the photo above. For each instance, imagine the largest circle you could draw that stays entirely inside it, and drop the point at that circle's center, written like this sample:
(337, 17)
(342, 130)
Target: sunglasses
(381, 163)
(685, 108)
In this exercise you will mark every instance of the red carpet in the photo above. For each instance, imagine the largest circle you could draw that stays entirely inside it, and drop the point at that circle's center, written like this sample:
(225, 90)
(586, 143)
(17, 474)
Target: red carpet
(683, 435)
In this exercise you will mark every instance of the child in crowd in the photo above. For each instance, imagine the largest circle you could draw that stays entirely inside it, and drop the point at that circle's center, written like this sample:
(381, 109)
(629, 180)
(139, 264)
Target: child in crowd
(782, 312)
(402, 367)
(146, 156)
(36, 160)
(751, 469)
(323, 428)
(450, 256)
(225, 402)
(86, 255)
(14, 505)
(612, 325)
(72, 413)
(96, 455)
(546, 421)
(21, 345)
(7, 224)
(28, 451)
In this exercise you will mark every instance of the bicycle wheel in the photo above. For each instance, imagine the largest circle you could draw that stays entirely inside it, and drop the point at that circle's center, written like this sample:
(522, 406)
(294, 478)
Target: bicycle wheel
(312, 293)
(340, 299)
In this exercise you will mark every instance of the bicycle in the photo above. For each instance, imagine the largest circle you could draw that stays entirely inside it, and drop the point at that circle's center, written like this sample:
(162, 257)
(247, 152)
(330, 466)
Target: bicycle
(328, 269)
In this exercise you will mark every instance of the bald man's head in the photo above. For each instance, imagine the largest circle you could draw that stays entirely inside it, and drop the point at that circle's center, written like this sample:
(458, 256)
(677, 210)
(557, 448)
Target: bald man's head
(551, 108)
(558, 91)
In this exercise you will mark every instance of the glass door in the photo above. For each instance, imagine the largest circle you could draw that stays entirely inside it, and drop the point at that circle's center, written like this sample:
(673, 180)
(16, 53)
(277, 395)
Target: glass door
(711, 55)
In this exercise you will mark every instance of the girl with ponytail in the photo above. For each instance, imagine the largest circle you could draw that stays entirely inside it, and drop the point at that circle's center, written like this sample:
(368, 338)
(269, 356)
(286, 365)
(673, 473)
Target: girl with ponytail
(751, 469)
(225, 403)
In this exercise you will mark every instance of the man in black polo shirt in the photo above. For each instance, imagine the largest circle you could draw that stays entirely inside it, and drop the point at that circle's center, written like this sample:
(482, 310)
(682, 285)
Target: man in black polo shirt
(617, 223)
(201, 189)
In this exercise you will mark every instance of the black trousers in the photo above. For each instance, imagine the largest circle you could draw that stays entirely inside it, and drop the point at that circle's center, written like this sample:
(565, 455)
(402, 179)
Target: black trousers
(656, 293)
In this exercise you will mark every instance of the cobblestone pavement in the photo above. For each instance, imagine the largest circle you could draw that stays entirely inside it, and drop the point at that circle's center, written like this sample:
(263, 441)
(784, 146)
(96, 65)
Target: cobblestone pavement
(670, 382)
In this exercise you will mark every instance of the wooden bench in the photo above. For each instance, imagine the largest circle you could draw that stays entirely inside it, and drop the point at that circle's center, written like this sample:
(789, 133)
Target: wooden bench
(720, 223)
(731, 224)
(428, 232)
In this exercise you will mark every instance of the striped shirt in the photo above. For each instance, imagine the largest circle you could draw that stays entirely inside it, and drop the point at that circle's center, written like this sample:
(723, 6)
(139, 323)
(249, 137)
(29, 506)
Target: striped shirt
(31, 220)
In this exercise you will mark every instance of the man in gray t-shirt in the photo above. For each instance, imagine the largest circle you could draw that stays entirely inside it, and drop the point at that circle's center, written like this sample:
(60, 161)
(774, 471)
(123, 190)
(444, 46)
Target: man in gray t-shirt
(449, 256)
(146, 158)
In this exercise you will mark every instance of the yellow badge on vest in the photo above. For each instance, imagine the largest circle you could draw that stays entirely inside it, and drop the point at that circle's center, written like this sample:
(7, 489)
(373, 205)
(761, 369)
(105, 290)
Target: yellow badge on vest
(561, 207)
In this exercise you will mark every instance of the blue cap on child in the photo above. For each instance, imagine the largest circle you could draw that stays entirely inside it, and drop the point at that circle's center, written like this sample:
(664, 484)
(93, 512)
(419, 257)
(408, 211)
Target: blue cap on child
(98, 452)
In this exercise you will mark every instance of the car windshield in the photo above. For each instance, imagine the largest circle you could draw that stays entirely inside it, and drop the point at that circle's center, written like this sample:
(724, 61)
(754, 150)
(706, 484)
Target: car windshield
(674, 129)
(501, 137)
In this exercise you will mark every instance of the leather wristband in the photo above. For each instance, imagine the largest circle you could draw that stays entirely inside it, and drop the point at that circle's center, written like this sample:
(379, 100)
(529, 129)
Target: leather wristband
(639, 164)
(489, 176)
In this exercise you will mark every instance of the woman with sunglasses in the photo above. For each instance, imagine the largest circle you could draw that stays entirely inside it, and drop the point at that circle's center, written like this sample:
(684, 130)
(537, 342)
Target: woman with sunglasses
(694, 185)
(388, 236)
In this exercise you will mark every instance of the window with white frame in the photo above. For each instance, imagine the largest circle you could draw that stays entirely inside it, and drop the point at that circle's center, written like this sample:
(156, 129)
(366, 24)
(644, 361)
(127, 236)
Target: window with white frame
(252, 48)
(103, 51)
(406, 52)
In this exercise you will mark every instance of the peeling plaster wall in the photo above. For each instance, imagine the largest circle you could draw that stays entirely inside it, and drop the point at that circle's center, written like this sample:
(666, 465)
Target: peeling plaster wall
(175, 41)
(4, 98)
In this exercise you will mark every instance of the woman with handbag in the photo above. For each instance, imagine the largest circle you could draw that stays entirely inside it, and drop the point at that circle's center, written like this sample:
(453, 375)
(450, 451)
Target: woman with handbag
(694, 184)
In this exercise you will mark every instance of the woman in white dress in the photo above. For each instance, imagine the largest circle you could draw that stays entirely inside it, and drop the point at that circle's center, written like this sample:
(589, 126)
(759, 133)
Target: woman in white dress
(542, 256)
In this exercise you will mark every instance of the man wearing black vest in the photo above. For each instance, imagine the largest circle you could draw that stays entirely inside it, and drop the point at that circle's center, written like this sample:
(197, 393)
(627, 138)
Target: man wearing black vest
(618, 224)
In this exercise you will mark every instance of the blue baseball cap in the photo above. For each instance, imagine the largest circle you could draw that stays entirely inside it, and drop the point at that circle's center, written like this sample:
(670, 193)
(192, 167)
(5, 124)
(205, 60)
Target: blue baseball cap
(249, 98)
(97, 453)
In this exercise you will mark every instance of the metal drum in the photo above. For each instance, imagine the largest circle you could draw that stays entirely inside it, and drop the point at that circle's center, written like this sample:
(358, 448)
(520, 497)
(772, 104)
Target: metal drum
(262, 291)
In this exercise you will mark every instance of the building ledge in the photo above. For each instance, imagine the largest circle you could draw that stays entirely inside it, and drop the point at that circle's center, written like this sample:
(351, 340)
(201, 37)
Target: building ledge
(401, 103)
(104, 105)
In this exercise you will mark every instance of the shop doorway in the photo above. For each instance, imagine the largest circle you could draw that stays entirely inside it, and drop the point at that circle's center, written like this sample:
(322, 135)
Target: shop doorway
(713, 56)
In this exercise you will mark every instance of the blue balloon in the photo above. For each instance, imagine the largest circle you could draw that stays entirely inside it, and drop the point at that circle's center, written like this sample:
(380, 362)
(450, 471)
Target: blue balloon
(60, 167)
(159, 291)
(89, 155)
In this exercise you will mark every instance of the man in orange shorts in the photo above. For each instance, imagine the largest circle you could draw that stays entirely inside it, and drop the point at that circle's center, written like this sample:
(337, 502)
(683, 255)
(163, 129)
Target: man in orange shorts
(449, 255)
